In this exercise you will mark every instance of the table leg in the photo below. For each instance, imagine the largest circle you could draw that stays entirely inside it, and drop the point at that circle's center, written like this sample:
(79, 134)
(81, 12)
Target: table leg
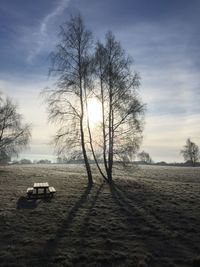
(36, 191)
(45, 191)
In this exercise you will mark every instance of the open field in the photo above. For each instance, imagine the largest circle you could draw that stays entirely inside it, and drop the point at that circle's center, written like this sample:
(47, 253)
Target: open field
(149, 217)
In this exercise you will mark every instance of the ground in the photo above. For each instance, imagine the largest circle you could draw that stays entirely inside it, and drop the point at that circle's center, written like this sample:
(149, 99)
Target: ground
(150, 216)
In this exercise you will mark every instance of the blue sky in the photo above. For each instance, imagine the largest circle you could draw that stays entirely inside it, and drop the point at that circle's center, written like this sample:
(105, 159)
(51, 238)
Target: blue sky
(163, 37)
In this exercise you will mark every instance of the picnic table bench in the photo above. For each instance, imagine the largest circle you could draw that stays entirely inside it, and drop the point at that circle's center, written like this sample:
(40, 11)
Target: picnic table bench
(46, 190)
(52, 190)
(29, 191)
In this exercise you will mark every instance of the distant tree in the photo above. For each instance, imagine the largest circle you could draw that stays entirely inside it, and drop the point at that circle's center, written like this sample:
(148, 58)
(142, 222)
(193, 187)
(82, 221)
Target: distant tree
(25, 161)
(190, 152)
(4, 158)
(14, 135)
(44, 161)
(15, 162)
(161, 163)
(145, 157)
(64, 160)
(67, 101)
(59, 160)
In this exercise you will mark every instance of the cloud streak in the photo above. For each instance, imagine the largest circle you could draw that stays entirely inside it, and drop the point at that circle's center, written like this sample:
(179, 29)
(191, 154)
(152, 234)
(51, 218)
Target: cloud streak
(41, 34)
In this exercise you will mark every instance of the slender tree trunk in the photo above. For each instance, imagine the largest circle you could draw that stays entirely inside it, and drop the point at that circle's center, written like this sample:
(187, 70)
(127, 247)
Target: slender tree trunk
(104, 127)
(112, 144)
(87, 164)
(110, 148)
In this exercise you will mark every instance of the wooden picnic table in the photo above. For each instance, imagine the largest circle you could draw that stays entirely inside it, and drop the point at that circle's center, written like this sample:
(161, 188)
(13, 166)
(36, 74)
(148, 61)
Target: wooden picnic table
(47, 190)
(43, 186)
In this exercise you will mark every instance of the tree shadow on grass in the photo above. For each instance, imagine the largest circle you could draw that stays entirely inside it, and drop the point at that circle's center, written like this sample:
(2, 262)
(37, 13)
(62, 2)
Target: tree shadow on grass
(86, 219)
(46, 256)
(157, 236)
(130, 208)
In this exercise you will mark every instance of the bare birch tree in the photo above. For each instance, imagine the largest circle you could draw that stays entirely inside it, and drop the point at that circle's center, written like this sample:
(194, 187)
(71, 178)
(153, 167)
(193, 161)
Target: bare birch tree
(191, 152)
(14, 135)
(122, 110)
(67, 100)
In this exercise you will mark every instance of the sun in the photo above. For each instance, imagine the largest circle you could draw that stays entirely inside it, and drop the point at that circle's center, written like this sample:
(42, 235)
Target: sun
(94, 111)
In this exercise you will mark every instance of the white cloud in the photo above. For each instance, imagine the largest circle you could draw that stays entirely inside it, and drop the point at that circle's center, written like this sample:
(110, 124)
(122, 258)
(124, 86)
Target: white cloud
(39, 36)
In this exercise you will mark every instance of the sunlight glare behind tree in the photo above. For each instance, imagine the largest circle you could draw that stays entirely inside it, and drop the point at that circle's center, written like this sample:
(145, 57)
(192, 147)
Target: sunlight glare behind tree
(94, 111)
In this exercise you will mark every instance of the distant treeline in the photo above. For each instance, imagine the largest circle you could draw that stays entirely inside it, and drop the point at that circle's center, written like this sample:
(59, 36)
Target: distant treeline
(81, 161)
(27, 161)
(163, 163)
(160, 163)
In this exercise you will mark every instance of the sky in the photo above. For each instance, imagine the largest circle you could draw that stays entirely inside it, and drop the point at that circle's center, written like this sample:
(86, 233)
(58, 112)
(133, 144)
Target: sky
(163, 38)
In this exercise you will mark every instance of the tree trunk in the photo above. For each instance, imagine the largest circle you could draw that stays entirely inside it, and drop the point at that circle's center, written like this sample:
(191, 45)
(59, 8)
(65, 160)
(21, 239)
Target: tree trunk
(104, 128)
(110, 129)
(87, 165)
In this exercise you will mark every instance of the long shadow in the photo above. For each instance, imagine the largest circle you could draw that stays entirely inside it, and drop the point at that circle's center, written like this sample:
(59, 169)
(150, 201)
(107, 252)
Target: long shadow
(160, 216)
(177, 222)
(45, 256)
(158, 232)
(84, 231)
(92, 205)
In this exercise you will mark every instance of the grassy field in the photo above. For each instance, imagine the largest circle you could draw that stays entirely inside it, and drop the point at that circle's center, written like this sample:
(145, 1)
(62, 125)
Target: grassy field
(148, 217)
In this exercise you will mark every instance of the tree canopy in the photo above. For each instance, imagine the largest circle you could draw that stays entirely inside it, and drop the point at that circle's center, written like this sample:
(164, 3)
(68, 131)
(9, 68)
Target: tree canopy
(85, 72)
(145, 157)
(191, 152)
